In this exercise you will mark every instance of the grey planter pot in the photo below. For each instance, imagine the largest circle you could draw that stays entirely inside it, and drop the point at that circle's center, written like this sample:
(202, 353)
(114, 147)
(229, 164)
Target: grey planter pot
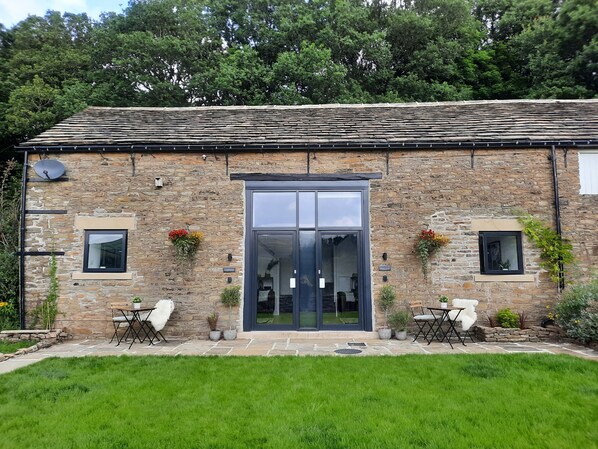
(215, 335)
(401, 335)
(384, 334)
(230, 334)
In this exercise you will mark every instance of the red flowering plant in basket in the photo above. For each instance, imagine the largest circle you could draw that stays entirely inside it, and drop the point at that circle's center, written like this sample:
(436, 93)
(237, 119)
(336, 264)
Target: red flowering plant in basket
(185, 242)
(427, 243)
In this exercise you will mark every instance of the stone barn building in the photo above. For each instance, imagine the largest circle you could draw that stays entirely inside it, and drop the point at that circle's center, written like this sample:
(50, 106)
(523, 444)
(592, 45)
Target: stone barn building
(309, 209)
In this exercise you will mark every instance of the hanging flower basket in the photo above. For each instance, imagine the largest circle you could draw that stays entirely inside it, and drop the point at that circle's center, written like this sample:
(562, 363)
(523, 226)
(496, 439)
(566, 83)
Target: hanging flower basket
(427, 243)
(185, 243)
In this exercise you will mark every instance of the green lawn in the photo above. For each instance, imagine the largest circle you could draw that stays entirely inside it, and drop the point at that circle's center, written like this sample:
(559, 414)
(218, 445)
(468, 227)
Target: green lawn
(8, 347)
(441, 401)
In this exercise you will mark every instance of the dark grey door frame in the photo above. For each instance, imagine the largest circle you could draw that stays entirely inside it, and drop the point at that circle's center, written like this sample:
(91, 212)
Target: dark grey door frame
(249, 305)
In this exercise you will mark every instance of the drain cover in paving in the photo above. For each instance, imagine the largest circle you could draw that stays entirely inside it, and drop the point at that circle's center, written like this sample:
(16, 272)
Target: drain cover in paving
(357, 344)
(347, 351)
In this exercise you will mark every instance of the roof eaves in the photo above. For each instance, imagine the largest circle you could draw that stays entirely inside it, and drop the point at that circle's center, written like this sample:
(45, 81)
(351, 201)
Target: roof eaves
(303, 146)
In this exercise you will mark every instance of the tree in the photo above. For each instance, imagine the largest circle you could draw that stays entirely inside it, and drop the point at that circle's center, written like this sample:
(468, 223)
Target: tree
(9, 242)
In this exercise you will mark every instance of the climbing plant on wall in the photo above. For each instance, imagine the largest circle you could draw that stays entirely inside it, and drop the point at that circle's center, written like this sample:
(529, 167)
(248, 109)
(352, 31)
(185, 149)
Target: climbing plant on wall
(556, 252)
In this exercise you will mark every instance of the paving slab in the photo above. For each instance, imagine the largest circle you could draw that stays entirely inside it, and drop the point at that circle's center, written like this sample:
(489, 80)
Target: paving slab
(289, 346)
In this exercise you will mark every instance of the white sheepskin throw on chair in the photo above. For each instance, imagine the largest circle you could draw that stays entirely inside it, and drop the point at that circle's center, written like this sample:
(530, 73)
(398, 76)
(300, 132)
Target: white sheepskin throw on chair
(468, 316)
(159, 317)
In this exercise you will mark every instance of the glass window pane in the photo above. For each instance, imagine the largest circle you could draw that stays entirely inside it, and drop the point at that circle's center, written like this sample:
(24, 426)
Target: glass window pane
(308, 281)
(339, 209)
(340, 298)
(274, 209)
(502, 252)
(274, 272)
(105, 251)
(307, 209)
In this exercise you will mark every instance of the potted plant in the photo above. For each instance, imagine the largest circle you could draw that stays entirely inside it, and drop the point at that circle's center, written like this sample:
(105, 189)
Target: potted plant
(443, 301)
(230, 297)
(505, 266)
(399, 321)
(215, 333)
(137, 302)
(386, 300)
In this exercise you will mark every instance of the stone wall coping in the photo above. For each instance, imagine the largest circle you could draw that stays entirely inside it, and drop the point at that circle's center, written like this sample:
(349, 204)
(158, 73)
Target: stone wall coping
(26, 331)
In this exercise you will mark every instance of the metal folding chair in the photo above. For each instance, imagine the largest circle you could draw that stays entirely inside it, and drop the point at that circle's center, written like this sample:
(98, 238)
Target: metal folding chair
(422, 320)
(118, 319)
(467, 317)
(159, 317)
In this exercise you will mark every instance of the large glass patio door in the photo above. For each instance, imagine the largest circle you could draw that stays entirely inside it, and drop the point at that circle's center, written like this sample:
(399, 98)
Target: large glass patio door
(306, 265)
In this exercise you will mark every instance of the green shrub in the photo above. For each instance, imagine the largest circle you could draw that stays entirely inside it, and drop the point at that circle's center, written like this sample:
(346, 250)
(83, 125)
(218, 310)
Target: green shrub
(386, 299)
(507, 318)
(10, 188)
(399, 320)
(577, 312)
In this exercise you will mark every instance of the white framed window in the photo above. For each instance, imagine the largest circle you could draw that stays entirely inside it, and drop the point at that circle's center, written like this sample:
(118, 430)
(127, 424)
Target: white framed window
(588, 172)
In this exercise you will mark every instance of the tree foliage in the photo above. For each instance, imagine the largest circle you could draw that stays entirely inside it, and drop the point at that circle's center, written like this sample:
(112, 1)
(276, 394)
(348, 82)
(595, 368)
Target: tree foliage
(249, 52)
(9, 242)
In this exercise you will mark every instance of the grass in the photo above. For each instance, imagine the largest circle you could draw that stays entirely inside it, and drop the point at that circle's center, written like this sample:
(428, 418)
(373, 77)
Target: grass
(7, 347)
(308, 319)
(442, 401)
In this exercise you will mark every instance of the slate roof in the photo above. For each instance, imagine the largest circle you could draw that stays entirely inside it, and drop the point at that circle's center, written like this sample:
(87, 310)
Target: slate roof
(485, 123)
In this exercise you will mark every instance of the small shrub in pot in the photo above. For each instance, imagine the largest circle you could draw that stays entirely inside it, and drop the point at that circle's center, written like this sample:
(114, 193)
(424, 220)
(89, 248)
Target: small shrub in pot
(386, 300)
(399, 321)
(213, 323)
(230, 297)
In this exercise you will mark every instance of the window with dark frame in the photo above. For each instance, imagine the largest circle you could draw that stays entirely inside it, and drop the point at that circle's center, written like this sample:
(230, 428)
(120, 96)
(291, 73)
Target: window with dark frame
(105, 251)
(501, 252)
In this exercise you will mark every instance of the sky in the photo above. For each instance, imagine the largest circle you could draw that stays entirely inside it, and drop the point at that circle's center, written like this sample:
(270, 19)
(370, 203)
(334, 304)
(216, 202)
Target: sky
(13, 11)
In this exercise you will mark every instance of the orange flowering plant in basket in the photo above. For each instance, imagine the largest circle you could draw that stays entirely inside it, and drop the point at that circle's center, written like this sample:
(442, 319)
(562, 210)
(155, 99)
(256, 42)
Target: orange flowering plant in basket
(185, 242)
(427, 243)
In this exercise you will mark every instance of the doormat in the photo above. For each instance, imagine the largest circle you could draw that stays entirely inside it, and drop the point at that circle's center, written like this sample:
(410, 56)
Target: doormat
(357, 344)
(347, 351)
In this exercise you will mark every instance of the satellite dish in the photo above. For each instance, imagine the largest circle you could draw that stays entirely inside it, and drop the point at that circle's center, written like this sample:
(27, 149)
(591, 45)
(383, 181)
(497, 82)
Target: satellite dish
(49, 169)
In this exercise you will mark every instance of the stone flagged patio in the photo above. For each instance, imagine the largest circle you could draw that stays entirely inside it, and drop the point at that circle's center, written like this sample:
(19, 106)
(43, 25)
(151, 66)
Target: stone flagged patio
(290, 346)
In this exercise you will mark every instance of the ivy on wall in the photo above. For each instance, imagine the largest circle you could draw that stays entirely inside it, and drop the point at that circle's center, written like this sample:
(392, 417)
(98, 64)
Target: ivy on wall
(556, 252)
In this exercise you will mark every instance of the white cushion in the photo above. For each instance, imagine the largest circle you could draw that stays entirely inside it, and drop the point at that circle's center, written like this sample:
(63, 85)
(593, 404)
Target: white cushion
(119, 319)
(424, 317)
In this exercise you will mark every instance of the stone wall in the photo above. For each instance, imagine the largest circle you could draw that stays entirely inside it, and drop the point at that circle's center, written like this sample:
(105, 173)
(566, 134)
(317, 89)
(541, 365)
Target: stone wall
(44, 338)
(418, 189)
(504, 335)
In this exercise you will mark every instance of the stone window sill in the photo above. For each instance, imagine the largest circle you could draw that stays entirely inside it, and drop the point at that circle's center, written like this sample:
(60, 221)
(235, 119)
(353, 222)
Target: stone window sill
(102, 276)
(503, 278)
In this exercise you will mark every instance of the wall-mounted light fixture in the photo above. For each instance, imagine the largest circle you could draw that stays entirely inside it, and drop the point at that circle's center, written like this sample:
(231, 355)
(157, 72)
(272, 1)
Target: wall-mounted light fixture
(384, 256)
(384, 278)
(158, 182)
(229, 280)
(229, 257)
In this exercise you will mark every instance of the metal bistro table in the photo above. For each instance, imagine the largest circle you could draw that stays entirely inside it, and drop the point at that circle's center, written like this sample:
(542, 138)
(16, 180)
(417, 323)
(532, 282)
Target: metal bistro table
(133, 316)
(442, 316)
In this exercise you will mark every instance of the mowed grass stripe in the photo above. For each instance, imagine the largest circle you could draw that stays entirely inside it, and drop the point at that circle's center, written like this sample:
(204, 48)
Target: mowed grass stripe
(442, 401)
